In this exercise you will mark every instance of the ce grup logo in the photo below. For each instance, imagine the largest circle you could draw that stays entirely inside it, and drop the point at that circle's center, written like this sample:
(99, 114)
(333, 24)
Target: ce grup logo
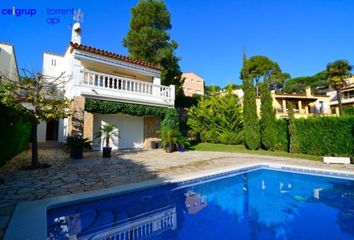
(18, 12)
(52, 15)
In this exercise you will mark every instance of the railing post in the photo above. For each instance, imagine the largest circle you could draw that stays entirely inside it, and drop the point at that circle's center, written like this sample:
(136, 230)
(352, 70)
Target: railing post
(173, 93)
(156, 91)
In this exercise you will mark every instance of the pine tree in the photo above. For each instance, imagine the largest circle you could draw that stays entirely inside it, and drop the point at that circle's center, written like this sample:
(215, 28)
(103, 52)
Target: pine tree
(268, 121)
(294, 146)
(149, 40)
(250, 119)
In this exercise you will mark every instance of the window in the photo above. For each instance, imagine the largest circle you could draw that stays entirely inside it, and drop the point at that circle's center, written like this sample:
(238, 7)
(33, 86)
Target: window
(54, 62)
(199, 82)
(351, 94)
(192, 81)
(198, 91)
(190, 90)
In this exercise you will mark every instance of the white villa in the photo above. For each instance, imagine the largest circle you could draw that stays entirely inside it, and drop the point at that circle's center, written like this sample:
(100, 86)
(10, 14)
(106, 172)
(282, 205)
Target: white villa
(8, 63)
(347, 93)
(95, 74)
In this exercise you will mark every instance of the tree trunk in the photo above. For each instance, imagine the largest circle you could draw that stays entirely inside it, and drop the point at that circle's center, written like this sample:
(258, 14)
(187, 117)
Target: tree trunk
(35, 163)
(107, 141)
(339, 97)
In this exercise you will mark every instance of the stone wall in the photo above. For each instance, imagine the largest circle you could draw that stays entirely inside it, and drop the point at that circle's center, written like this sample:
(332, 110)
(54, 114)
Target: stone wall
(151, 127)
(88, 125)
(80, 122)
(76, 120)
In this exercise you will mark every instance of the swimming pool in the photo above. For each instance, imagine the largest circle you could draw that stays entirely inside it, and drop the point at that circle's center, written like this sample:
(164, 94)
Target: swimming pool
(255, 203)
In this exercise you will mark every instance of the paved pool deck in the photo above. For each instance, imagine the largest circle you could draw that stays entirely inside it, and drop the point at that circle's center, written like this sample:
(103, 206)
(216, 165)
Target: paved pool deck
(68, 176)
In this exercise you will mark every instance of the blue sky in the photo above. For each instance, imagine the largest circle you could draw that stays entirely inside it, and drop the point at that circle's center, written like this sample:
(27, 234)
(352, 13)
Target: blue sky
(301, 35)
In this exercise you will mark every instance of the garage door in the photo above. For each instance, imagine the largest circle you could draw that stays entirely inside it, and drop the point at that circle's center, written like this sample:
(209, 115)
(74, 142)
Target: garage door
(131, 129)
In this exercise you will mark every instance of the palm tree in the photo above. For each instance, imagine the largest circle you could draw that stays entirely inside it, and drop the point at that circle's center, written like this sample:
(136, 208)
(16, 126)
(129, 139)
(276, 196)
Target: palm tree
(338, 71)
(108, 132)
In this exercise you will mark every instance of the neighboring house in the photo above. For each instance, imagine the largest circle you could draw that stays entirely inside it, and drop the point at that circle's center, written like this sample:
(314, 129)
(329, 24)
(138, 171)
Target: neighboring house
(102, 75)
(347, 96)
(305, 105)
(192, 84)
(8, 63)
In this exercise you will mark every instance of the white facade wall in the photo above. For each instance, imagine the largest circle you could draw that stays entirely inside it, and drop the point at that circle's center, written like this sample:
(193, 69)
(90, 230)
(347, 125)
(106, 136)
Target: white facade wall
(41, 131)
(8, 65)
(55, 66)
(74, 62)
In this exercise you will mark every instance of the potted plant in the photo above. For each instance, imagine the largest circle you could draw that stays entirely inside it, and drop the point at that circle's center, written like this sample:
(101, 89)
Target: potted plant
(182, 143)
(108, 132)
(172, 139)
(76, 144)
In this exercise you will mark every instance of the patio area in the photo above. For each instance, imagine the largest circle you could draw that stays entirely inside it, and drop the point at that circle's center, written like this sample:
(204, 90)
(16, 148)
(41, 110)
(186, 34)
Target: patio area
(67, 176)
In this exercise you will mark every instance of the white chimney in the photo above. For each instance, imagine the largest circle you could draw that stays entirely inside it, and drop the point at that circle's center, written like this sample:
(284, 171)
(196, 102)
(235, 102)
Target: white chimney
(76, 33)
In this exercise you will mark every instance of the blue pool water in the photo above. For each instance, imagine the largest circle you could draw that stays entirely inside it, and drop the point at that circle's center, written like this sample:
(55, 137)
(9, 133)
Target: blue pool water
(260, 204)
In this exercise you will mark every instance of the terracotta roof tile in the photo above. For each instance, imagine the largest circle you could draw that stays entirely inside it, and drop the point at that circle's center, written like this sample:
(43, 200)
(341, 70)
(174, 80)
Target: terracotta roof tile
(114, 55)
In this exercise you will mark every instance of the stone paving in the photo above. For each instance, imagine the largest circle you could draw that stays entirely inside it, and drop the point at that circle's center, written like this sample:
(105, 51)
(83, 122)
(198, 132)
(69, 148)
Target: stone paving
(67, 176)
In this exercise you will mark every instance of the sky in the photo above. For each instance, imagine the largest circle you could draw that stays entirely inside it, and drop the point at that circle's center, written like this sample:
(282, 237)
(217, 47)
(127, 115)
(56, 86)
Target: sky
(301, 35)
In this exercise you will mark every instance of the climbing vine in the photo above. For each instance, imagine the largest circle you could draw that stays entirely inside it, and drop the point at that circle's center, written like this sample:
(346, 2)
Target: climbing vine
(108, 107)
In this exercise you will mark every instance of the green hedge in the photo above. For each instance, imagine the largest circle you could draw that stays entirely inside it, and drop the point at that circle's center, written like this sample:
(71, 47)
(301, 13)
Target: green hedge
(15, 133)
(326, 136)
(107, 107)
(349, 110)
(282, 135)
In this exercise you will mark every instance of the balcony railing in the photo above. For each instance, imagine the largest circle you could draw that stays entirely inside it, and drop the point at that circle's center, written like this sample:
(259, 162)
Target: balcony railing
(125, 85)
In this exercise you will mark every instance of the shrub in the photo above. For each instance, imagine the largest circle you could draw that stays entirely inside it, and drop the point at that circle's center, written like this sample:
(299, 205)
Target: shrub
(348, 111)
(76, 141)
(172, 139)
(294, 146)
(15, 133)
(230, 138)
(282, 142)
(323, 136)
(326, 136)
(209, 136)
(171, 120)
(217, 118)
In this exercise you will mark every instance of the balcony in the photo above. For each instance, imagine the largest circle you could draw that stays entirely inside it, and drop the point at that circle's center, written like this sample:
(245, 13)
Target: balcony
(112, 87)
(303, 113)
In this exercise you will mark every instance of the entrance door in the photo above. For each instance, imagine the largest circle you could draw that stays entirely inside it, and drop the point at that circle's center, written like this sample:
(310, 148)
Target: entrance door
(52, 130)
(131, 131)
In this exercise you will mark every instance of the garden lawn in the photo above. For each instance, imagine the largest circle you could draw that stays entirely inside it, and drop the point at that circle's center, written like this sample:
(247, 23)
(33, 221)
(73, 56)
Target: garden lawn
(213, 147)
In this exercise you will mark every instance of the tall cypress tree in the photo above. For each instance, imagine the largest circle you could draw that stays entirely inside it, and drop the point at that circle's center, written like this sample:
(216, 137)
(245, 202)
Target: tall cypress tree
(294, 146)
(268, 121)
(250, 119)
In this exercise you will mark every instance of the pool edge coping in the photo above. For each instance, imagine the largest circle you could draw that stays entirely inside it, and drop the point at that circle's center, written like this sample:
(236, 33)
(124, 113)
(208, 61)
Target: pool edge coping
(29, 219)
